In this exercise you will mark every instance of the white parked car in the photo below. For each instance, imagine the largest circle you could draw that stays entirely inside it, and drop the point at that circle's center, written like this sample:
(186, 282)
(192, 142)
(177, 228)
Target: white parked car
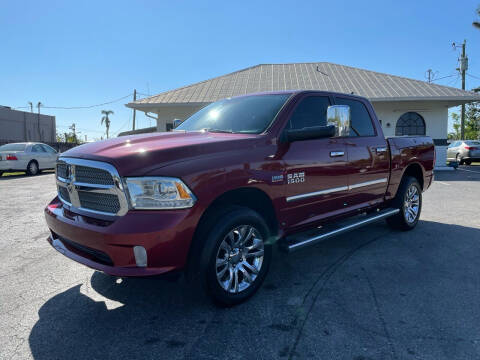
(29, 157)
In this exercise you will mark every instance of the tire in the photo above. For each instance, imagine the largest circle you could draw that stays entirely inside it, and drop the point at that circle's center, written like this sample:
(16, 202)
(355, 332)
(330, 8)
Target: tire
(32, 168)
(468, 162)
(232, 272)
(1, 173)
(459, 159)
(409, 193)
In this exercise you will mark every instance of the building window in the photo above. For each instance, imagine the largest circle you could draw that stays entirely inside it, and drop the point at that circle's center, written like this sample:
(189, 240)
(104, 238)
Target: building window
(410, 123)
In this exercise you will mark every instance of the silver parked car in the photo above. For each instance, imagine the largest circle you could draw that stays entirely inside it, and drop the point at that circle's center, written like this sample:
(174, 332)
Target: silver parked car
(464, 151)
(29, 157)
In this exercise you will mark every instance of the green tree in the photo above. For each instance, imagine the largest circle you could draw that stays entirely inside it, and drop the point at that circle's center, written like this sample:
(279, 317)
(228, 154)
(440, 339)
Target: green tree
(472, 123)
(106, 119)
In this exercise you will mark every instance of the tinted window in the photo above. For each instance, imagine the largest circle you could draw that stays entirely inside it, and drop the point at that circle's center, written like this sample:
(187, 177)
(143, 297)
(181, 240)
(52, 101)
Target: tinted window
(247, 114)
(471, 142)
(12, 147)
(37, 148)
(49, 149)
(312, 111)
(361, 123)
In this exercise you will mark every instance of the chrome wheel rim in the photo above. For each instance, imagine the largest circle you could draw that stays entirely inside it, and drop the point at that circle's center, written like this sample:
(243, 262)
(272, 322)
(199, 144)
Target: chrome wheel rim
(239, 259)
(33, 168)
(412, 204)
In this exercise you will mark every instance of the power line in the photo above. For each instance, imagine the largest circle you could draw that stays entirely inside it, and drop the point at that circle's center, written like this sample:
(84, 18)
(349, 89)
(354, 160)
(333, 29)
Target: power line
(87, 107)
(444, 77)
(78, 107)
(473, 76)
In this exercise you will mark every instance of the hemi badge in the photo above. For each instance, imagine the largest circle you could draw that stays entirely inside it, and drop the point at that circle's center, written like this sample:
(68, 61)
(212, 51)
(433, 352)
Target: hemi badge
(277, 178)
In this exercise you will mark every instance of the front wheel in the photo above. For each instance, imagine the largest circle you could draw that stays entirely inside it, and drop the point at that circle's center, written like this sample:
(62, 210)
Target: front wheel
(238, 256)
(468, 162)
(409, 201)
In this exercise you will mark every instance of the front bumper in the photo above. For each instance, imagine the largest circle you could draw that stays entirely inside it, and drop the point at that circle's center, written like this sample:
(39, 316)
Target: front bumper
(108, 245)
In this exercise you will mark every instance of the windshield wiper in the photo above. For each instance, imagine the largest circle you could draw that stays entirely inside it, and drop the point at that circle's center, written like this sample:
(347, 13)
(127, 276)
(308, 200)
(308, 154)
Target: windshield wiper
(219, 131)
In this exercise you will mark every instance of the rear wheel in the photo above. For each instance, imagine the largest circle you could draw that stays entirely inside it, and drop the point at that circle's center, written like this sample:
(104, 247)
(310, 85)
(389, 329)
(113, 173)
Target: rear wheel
(236, 255)
(409, 202)
(468, 162)
(32, 168)
(1, 172)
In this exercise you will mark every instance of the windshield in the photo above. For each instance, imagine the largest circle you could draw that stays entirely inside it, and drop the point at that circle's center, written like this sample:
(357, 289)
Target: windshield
(12, 147)
(248, 114)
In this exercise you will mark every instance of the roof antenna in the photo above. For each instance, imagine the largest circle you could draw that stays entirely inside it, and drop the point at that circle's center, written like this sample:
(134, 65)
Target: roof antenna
(352, 93)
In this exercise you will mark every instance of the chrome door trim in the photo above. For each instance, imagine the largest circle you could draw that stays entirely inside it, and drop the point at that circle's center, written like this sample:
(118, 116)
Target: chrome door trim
(316, 193)
(337, 189)
(367, 183)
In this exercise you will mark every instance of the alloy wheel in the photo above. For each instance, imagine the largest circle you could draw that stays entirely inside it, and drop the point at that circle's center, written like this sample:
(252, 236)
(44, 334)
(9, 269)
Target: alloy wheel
(411, 205)
(239, 258)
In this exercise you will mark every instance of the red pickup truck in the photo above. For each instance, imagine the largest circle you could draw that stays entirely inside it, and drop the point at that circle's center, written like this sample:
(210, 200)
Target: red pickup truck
(213, 196)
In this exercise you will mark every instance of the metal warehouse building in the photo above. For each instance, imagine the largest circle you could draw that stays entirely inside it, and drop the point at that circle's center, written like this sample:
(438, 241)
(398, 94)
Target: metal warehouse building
(404, 106)
(21, 126)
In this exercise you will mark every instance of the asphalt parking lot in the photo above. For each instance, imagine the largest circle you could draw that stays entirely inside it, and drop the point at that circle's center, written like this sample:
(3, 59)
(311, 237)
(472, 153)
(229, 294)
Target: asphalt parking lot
(371, 294)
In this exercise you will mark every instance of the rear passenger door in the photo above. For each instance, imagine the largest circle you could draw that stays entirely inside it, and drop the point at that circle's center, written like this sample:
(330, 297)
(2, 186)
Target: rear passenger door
(315, 169)
(40, 155)
(368, 156)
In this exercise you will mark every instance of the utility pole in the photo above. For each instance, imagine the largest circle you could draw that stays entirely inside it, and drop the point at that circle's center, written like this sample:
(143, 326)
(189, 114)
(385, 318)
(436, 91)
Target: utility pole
(429, 71)
(38, 122)
(134, 111)
(462, 69)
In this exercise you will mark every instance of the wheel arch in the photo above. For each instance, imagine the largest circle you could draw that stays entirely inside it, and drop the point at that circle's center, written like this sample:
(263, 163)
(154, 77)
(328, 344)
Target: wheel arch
(249, 197)
(417, 171)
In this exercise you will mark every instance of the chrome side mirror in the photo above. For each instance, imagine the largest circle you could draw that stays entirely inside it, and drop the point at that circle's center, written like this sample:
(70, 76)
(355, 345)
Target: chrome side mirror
(339, 116)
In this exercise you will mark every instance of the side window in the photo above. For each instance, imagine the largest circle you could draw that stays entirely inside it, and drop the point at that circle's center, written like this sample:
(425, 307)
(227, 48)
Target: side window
(37, 148)
(312, 111)
(361, 122)
(48, 149)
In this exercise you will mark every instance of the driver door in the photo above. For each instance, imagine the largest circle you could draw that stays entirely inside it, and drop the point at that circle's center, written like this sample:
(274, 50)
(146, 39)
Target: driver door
(316, 177)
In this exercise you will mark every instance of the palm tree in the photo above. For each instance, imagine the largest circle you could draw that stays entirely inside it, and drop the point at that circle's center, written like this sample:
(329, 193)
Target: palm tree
(105, 119)
(476, 23)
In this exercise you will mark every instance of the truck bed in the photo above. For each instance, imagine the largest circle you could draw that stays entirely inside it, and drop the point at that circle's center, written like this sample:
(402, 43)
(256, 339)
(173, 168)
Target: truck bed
(407, 150)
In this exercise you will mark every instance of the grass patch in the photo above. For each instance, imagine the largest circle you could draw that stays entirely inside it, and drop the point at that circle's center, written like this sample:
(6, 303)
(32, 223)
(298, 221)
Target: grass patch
(14, 173)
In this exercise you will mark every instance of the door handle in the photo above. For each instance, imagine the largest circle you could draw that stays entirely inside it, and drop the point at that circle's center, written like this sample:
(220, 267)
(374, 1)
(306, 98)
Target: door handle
(381, 150)
(336, 153)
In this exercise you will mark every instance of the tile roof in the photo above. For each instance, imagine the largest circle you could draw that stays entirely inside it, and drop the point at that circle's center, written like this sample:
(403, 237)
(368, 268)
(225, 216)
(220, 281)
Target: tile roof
(309, 76)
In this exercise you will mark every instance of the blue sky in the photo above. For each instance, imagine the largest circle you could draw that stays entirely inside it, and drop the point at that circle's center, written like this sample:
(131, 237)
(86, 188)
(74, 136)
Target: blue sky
(66, 53)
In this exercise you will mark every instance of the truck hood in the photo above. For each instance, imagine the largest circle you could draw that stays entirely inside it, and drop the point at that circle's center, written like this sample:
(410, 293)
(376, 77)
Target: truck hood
(137, 155)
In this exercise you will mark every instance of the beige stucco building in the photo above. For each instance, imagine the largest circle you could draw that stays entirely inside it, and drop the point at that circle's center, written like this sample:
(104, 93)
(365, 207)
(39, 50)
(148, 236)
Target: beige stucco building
(404, 106)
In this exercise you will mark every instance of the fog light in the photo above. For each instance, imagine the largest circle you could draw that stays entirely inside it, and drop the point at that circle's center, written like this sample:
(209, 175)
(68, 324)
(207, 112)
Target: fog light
(140, 256)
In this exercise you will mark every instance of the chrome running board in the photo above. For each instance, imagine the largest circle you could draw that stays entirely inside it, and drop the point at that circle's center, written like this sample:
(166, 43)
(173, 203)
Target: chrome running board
(298, 241)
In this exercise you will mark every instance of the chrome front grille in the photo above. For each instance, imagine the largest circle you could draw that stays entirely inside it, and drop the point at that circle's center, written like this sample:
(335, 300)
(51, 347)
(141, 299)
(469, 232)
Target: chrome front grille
(62, 170)
(89, 175)
(99, 202)
(63, 194)
(89, 186)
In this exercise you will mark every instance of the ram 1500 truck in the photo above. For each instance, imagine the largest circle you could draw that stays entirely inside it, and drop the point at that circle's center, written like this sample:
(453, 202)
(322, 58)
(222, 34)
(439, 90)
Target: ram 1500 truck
(243, 174)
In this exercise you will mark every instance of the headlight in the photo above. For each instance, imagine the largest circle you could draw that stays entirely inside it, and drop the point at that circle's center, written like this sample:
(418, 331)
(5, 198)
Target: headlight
(159, 193)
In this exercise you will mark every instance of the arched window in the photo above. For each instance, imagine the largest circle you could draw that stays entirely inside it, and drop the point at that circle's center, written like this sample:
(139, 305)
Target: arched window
(410, 123)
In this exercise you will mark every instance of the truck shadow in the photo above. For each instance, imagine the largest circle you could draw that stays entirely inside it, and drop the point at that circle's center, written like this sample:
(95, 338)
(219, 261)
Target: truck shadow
(156, 318)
